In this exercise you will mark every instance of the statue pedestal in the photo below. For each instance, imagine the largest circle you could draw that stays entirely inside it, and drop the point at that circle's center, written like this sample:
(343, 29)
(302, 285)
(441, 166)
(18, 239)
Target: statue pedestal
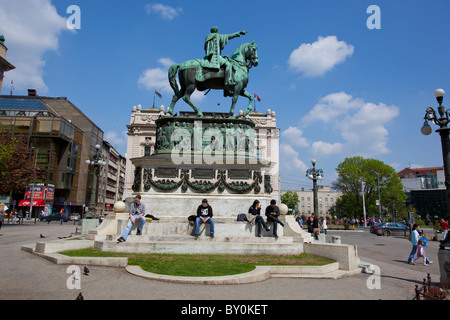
(444, 266)
(211, 158)
(172, 235)
(197, 158)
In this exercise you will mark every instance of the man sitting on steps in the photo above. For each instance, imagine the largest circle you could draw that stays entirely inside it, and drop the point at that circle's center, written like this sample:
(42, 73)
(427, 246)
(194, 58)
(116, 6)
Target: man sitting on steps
(272, 213)
(204, 215)
(137, 213)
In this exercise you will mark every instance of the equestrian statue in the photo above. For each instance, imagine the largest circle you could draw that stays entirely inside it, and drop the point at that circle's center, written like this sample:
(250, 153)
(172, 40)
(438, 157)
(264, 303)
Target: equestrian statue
(215, 71)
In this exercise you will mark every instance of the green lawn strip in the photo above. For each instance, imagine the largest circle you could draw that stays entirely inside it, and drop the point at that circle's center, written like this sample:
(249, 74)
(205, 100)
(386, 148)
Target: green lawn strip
(203, 265)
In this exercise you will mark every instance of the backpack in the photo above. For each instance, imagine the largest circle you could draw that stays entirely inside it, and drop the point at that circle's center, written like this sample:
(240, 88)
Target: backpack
(241, 217)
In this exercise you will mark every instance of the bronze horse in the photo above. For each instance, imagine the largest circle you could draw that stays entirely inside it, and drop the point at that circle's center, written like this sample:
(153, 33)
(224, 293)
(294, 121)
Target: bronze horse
(243, 59)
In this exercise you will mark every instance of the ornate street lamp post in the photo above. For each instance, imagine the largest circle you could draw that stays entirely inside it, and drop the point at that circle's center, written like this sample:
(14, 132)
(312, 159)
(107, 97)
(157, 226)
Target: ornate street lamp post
(314, 175)
(442, 121)
(96, 162)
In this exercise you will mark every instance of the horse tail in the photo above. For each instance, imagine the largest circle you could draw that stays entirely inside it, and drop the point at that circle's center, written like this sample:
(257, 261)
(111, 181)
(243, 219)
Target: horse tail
(173, 78)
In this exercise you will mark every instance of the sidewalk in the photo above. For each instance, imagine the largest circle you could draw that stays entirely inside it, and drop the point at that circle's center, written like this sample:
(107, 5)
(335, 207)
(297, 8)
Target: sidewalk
(27, 276)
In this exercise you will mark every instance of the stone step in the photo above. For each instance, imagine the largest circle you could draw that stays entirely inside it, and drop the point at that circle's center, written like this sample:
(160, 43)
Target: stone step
(330, 275)
(180, 238)
(240, 229)
(206, 245)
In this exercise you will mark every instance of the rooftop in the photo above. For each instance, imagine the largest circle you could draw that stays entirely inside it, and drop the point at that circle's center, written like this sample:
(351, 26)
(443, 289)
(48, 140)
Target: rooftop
(21, 103)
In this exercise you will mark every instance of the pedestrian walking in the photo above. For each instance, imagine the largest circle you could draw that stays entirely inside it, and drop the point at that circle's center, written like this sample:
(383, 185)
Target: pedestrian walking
(444, 226)
(324, 224)
(299, 220)
(415, 243)
(315, 226)
(421, 253)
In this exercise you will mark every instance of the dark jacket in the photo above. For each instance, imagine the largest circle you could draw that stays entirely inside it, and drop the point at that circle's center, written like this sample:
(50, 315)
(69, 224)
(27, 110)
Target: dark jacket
(204, 211)
(253, 211)
(275, 209)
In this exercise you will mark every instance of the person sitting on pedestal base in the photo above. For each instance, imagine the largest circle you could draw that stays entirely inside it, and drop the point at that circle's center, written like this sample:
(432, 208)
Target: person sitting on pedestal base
(204, 215)
(272, 213)
(137, 213)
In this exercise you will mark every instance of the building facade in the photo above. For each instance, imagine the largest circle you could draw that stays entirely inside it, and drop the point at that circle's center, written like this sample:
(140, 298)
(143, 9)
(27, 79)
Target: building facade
(327, 199)
(63, 138)
(142, 139)
(422, 178)
(425, 190)
(5, 66)
(112, 178)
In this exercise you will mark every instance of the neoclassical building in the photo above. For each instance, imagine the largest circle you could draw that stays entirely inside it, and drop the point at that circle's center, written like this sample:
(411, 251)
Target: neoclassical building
(142, 138)
(5, 66)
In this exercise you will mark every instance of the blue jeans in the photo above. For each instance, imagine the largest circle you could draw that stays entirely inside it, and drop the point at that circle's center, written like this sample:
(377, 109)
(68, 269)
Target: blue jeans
(260, 221)
(140, 220)
(412, 254)
(199, 221)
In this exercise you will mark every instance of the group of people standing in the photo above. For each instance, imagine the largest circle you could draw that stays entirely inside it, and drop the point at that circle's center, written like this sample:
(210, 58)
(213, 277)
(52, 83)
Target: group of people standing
(15, 217)
(314, 224)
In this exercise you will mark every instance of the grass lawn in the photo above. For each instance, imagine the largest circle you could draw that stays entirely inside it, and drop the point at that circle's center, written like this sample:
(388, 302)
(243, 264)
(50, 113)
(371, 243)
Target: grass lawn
(202, 265)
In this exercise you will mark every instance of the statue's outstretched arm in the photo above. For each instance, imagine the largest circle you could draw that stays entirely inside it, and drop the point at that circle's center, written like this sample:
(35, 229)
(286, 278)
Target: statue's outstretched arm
(237, 34)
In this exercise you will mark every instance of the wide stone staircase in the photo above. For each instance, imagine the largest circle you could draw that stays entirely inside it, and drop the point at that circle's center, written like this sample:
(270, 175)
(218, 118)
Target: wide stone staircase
(174, 235)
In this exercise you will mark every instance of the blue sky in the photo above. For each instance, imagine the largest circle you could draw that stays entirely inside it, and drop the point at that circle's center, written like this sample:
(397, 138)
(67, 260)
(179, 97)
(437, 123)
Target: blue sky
(339, 89)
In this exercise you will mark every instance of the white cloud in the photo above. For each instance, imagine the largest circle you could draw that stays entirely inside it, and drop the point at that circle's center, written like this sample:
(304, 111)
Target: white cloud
(166, 62)
(119, 142)
(361, 125)
(332, 106)
(113, 138)
(415, 166)
(157, 79)
(316, 59)
(320, 148)
(166, 12)
(294, 136)
(396, 166)
(31, 29)
(289, 159)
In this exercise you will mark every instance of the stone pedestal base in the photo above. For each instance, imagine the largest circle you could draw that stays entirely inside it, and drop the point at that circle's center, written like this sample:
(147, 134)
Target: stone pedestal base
(444, 266)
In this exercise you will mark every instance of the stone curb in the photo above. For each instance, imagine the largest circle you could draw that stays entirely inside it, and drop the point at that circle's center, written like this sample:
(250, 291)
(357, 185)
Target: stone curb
(261, 273)
(257, 275)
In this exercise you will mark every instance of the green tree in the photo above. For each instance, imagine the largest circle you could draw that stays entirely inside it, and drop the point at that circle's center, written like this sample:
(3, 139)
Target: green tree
(290, 199)
(377, 178)
(6, 150)
(16, 164)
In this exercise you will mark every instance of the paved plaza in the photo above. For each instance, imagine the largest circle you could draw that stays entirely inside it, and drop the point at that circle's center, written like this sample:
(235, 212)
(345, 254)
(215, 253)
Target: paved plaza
(26, 276)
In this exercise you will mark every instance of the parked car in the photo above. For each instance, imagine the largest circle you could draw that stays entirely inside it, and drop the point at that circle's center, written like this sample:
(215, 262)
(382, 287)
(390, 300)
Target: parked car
(61, 217)
(390, 229)
(75, 217)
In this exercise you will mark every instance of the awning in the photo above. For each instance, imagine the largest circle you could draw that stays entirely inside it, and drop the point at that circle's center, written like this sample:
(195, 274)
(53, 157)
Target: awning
(36, 203)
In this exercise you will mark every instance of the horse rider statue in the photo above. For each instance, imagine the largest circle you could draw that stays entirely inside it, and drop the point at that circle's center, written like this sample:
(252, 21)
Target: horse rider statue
(214, 44)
